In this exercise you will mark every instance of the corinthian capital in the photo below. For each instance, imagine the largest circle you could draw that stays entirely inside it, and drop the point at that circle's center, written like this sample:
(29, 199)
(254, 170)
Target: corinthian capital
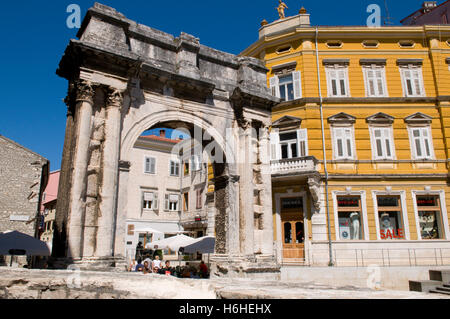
(85, 91)
(114, 98)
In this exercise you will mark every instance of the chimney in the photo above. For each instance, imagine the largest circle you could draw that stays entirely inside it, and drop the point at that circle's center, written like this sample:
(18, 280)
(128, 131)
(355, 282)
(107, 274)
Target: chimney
(162, 133)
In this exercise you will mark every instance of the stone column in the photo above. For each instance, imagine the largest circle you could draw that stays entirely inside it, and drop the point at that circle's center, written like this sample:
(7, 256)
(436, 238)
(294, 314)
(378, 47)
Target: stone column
(110, 170)
(268, 238)
(121, 219)
(83, 121)
(246, 216)
(211, 211)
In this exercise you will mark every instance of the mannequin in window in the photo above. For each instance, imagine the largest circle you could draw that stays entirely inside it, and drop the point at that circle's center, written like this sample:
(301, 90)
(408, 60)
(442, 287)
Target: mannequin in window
(355, 225)
(386, 223)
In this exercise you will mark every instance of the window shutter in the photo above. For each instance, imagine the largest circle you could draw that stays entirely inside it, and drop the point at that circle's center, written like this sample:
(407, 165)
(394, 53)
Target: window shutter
(147, 165)
(302, 142)
(166, 204)
(275, 152)
(296, 76)
(274, 86)
(339, 142)
(155, 201)
(152, 165)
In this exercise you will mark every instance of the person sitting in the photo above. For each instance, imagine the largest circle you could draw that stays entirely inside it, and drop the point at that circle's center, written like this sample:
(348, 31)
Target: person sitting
(139, 266)
(148, 259)
(166, 270)
(156, 265)
(132, 267)
(203, 270)
(186, 273)
(147, 269)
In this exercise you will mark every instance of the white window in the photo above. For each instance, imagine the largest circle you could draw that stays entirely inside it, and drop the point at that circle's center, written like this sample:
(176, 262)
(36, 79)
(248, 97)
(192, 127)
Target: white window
(343, 143)
(172, 202)
(288, 145)
(412, 80)
(337, 80)
(174, 168)
(150, 201)
(382, 143)
(287, 87)
(150, 165)
(421, 143)
(375, 78)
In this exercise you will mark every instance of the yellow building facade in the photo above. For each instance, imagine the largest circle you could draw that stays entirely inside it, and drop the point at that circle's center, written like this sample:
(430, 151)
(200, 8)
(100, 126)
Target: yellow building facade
(360, 168)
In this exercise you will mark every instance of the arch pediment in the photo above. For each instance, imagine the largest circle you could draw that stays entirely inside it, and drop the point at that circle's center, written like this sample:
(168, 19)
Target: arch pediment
(380, 118)
(287, 122)
(342, 118)
(418, 118)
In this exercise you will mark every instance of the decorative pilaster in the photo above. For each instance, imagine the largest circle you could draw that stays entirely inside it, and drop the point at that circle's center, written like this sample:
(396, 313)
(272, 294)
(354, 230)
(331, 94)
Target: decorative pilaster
(84, 98)
(266, 196)
(246, 165)
(110, 169)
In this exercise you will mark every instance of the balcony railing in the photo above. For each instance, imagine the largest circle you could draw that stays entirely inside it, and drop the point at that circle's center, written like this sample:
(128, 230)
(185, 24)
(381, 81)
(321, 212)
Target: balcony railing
(294, 165)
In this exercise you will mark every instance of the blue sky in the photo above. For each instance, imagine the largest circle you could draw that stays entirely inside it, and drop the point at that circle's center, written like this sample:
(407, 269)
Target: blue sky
(34, 35)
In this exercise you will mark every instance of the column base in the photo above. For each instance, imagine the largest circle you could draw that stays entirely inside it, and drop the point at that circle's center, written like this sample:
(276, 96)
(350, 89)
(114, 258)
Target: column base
(258, 267)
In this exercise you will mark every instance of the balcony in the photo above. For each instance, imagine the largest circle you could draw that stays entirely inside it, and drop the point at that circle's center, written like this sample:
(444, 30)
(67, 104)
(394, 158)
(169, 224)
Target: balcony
(294, 166)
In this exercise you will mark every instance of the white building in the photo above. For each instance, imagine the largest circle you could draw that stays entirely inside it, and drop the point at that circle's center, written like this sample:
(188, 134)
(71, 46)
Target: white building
(166, 193)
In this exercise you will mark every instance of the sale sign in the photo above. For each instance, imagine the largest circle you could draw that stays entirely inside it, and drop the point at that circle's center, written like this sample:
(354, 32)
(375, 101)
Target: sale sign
(392, 234)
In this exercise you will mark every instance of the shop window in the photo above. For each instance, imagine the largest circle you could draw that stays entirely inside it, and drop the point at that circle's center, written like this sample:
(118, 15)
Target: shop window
(349, 215)
(430, 217)
(390, 217)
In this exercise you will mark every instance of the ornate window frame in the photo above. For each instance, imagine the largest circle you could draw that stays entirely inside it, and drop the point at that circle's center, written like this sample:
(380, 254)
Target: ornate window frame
(411, 65)
(444, 214)
(381, 121)
(342, 121)
(420, 121)
(364, 217)
(403, 205)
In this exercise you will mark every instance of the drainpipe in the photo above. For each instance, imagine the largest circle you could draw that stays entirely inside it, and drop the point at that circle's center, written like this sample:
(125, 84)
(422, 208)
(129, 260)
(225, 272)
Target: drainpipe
(330, 243)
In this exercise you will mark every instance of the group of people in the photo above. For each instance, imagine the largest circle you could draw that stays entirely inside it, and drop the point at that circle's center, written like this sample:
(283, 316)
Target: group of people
(156, 266)
(149, 266)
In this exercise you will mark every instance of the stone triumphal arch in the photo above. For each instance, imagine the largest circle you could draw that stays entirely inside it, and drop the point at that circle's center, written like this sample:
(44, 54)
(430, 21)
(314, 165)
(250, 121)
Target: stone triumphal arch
(125, 78)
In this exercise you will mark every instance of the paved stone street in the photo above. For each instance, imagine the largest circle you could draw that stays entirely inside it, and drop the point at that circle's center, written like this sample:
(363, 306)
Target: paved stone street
(39, 284)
